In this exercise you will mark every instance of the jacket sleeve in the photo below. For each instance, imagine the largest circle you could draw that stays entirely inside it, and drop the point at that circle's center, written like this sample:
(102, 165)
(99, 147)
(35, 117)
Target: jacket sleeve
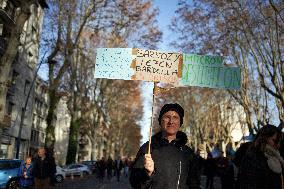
(193, 179)
(139, 178)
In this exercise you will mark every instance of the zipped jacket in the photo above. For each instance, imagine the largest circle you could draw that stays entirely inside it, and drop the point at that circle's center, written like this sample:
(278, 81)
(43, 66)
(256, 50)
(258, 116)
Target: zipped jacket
(43, 168)
(28, 180)
(175, 165)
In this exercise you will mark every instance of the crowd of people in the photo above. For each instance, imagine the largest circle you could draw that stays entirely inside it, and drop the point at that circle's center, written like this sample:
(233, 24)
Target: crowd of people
(113, 168)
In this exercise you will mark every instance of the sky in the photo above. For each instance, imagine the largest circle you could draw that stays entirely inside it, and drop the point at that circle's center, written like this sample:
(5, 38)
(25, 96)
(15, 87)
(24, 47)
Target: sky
(167, 10)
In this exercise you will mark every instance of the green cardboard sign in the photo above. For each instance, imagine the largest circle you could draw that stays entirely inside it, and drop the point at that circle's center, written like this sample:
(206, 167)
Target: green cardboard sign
(211, 76)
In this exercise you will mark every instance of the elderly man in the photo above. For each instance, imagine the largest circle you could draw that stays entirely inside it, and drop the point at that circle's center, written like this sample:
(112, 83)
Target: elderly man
(43, 170)
(171, 164)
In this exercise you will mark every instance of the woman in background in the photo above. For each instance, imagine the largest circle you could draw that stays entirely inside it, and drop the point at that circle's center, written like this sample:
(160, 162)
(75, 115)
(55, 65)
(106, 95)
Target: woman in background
(262, 164)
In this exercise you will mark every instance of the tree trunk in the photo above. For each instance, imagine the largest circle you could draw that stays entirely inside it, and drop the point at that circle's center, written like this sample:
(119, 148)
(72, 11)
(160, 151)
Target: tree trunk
(50, 135)
(73, 141)
(93, 151)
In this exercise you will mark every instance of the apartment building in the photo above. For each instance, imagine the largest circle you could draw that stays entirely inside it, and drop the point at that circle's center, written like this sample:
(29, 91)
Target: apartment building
(22, 73)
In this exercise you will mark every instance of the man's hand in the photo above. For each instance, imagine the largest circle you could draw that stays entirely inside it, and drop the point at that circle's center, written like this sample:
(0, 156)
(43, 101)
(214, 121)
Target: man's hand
(149, 164)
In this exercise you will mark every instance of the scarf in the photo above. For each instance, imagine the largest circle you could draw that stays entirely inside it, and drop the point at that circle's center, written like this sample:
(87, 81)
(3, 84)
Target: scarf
(274, 159)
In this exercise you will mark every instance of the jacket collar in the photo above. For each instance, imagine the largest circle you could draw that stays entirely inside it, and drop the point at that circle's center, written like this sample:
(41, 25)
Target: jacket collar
(181, 139)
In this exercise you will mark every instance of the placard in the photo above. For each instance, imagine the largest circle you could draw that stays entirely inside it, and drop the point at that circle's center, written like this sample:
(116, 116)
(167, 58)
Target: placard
(114, 63)
(211, 76)
(157, 66)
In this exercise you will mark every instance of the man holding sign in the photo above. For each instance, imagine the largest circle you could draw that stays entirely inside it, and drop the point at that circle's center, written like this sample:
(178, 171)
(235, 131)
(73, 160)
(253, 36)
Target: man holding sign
(171, 164)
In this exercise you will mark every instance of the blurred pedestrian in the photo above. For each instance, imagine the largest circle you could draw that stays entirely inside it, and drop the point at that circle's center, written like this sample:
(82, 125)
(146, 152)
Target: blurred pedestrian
(42, 170)
(171, 163)
(51, 159)
(109, 167)
(102, 169)
(222, 167)
(262, 164)
(239, 156)
(126, 167)
(25, 174)
(210, 169)
(118, 165)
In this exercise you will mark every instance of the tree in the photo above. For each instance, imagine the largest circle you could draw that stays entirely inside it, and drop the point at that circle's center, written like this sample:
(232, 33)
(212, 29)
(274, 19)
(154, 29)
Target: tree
(126, 110)
(68, 20)
(247, 34)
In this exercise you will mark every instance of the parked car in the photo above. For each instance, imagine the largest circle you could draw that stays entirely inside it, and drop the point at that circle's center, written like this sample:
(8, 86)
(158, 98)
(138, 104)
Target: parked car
(60, 174)
(92, 165)
(8, 173)
(77, 169)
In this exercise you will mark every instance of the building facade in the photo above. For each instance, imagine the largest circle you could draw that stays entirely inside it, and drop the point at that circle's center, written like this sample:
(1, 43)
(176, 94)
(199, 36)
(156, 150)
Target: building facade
(21, 90)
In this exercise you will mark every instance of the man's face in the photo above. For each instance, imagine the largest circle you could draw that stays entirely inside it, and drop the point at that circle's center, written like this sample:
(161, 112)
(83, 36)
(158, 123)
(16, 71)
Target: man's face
(170, 123)
(41, 152)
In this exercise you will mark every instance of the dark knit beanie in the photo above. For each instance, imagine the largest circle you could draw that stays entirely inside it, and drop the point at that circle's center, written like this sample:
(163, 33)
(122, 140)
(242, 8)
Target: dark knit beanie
(172, 107)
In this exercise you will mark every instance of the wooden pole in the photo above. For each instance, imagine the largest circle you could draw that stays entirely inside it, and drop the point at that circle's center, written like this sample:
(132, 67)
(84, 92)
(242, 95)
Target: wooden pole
(151, 127)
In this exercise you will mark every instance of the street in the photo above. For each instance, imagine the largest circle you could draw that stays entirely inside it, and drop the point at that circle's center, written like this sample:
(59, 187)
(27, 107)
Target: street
(91, 182)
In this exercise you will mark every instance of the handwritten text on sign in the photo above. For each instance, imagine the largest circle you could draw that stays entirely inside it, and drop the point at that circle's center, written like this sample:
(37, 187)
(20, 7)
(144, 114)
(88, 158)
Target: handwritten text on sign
(213, 77)
(159, 66)
(114, 63)
(206, 60)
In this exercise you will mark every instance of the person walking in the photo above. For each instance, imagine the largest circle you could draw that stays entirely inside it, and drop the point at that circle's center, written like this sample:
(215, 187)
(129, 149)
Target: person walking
(25, 174)
(109, 167)
(171, 163)
(262, 164)
(102, 169)
(118, 165)
(126, 165)
(42, 170)
(210, 171)
(52, 168)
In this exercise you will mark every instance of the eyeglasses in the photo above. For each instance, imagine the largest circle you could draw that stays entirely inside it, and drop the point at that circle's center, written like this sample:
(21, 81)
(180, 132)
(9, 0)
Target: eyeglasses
(170, 118)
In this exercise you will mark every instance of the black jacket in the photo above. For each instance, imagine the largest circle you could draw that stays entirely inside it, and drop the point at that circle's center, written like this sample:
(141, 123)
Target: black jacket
(42, 168)
(255, 173)
(175, 165)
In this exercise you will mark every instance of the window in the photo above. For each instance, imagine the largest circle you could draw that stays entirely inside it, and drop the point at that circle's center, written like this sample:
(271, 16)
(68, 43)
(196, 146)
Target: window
(15, 76)
(34, 136)
(27, 87)
(10, 108)
(4, 165)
